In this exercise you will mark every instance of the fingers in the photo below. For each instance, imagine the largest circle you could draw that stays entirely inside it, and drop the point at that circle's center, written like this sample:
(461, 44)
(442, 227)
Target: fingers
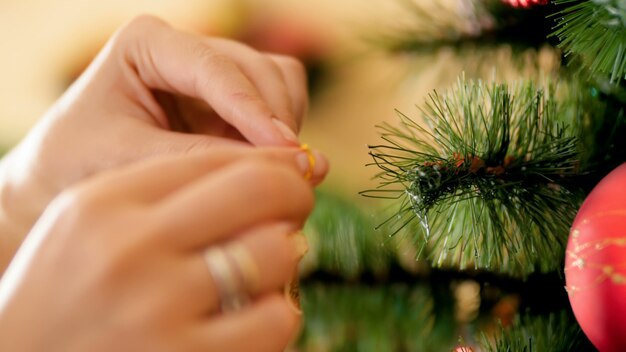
(294, 76)
(272, 257)
(181, 63)
(151, 180)
(242, 194)
(205, 198)
(268, 325)
(264, 73)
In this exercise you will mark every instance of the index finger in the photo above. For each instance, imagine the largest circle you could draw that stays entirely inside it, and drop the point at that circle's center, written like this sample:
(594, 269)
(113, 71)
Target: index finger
(177, 62)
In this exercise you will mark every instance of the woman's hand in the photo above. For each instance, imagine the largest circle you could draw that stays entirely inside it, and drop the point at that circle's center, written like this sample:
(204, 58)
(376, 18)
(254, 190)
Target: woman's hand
(151, 91)
(116, 263)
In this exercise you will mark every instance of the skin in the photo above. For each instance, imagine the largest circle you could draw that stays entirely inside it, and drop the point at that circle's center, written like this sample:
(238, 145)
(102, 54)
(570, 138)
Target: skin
(145, 162)
(115, 263)
(151, 91)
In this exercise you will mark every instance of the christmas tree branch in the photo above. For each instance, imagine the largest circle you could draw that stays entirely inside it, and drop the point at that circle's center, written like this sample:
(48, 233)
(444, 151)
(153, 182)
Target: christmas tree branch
(605, 121)
(484, 180)
(554, 332)
(362, 318)
(595, 31)
(361, 295)
(343, 240)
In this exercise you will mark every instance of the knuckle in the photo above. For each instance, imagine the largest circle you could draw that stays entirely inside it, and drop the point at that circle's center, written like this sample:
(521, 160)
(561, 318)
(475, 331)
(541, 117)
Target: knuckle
(78, 203)
(269, 63)
(208, 62)
(136, 28)
(210, 59)
(206, 55)
(144, 22)
(244, 97)
(291, 64)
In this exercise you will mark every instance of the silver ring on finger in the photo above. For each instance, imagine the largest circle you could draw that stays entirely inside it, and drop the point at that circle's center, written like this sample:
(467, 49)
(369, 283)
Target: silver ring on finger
(229, 288)
(235, 275)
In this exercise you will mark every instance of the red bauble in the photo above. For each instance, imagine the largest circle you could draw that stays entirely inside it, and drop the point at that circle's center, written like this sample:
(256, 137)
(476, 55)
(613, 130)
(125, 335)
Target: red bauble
(595, 264)
(525, 3)
(463, 349)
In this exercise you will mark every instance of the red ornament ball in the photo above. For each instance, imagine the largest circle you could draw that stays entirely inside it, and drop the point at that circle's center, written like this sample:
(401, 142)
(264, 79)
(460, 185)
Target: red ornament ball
(463, 349)
(595, 263)
(525, 3)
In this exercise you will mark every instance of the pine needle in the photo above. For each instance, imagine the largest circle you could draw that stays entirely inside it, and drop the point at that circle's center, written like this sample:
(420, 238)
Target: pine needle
(343, 240)
(373, 318)
(595, 31)
(483, 181)
(554, 332)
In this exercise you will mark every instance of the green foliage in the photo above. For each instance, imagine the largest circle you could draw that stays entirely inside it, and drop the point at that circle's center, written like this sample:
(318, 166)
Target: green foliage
(484, 180)
(554, 332)
(595, 31)
(340, 317)
(605, 127)
(491, 178)
(343, 240)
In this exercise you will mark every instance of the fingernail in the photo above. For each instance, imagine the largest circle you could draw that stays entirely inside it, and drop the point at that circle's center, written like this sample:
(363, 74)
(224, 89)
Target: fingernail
(292, 294)
(285, 131)
(292, 289)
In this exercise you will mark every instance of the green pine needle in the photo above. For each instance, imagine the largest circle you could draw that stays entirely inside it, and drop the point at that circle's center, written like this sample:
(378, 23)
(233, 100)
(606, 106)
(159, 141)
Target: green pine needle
(483, 181)
(373, 318)
(343, 240)
(595, 31)
(555, 333)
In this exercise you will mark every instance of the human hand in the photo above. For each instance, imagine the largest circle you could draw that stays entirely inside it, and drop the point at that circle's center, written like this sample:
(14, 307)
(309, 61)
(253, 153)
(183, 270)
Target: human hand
(116, 262)
(153, 90)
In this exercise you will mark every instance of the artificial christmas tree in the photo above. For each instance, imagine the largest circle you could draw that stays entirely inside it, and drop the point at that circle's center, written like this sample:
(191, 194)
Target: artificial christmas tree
(485, 180)
(480, 187)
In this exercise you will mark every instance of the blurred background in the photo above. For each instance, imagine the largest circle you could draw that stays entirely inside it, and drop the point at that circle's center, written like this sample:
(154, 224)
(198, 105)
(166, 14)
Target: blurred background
(354, 84)
(362, 291)
(47, 44)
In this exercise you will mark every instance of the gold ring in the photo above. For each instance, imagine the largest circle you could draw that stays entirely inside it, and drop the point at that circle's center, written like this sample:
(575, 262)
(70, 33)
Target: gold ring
(246, 267)
(229, 287)
(311, 158)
